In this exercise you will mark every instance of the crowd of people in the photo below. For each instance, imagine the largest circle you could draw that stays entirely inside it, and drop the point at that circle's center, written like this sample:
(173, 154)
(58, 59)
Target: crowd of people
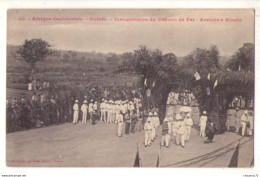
(183, 97)
(52, 108)
(122, 108)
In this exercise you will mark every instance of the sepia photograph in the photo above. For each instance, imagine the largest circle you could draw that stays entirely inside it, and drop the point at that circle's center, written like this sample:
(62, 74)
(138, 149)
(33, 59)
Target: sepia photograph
(167, 88)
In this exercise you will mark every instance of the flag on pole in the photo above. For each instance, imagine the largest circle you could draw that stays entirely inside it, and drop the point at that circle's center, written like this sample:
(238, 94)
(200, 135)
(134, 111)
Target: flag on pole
(215, 84)
(137, 162)
(158, 163)
(145, 82)
(197, 76)
(208, 76)
(234, 159)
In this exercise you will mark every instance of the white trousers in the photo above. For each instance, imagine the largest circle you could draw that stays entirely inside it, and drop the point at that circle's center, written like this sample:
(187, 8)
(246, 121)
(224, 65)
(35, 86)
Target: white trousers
(103, 116)
(75, 117)
(188, 130)
(202, 130)
(180, 138)
(243, 128)
(120, 128)
(147, 138)
(84, 117)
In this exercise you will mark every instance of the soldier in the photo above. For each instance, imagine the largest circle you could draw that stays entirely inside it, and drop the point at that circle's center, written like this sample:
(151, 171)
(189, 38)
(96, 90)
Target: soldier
(148, 133)
(237, 119)
(188, 124)
(120, 124)
(76, 112)
(203, 123)
(180, 130)
(102, 110)
(84, 109)
(244, 121)
(165, 130)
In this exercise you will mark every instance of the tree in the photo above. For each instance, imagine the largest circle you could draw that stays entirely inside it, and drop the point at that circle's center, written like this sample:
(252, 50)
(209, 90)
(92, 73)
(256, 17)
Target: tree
(32, 51)
(243, 59)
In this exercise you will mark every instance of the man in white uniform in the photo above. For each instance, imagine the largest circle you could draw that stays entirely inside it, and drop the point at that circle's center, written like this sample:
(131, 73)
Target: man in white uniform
(148, 133)
(102, 110)
(84, 109)
(76, 112)
(244, 121)
(188, 124)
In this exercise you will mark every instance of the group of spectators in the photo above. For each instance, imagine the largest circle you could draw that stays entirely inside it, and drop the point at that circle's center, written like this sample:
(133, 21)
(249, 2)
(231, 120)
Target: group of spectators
(52, 108)
(183, 97)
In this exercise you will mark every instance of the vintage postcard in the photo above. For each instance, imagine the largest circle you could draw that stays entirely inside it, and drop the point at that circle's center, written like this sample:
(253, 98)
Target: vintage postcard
(162, 88)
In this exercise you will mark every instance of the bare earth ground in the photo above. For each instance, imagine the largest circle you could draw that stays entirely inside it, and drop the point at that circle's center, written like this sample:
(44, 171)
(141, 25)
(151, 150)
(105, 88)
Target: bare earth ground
(84, 145)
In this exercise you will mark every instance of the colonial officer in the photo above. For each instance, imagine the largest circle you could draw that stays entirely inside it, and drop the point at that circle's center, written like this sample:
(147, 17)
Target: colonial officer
(84, 109)
(148, 133)
(188, 124)
(76, 112)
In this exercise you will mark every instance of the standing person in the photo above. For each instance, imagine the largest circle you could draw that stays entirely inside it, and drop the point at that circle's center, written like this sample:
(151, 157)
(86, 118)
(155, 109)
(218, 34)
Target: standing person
(95, 109)
(133, 117)
(76, 112)
(156, 122)
(203, 123)
(251, 124)
(148, 133)
(139, 125)
(165, 130)
(84, 109)
(127, 123)
(244, 121)
(211, 132)
(120, 124)
(180, 130)
(188, 124)
(102, 110)
(237, 119)
(90, 109)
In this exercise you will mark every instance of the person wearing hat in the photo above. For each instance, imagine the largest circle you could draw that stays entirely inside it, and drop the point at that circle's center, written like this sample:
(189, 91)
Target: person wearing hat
(165, 133)
(84, 110)
(180, 131)
(203, 123)
(188, 124)
(244, 121)
(148, 132)
(76, 112)
(237, 119)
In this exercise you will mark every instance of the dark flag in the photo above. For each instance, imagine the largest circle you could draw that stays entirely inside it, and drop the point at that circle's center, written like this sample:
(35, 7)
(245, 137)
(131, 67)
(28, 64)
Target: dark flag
(252, 162)
(137, 162)
(234, 160)
(158, 163)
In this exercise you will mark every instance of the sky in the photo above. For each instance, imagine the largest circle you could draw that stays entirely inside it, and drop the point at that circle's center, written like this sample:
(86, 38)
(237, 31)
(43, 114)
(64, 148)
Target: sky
(178, 37)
